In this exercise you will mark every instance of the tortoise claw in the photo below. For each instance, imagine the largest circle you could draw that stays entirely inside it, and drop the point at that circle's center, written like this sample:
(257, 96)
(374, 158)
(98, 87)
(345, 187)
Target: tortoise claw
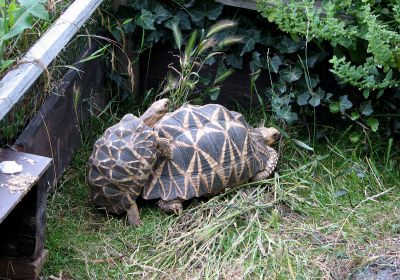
(173, 207)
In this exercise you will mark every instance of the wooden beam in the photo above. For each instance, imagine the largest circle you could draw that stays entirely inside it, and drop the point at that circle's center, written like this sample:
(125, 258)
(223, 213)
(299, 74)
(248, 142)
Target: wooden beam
(68, 108)
(245, 4)
(17, 269)
(14, 85)
(117, 3)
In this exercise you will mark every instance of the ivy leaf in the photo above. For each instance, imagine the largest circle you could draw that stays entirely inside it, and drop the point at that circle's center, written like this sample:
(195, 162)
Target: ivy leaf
(315, 100)
(214, 11)
(250, 41)
(312, 60)
(201, 10)
(366, 108)
(334, 107)
(302, 99)
(146, 19)
(286, 114)
(328, 97)
(291, 75)
(345, 103)
(354, 137)
(170, 23)
(155, 36)
(373, 124)
(161, 13)
(316, 97)
(281, 87)
(255, 63)
(140, 4)
(274, 63)
(354, 116)
(184, 21)
(287, 45)
(234, 60)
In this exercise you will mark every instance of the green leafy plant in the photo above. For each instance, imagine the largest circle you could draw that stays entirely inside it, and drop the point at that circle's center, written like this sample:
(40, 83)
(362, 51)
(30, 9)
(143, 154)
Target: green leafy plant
(365, 41)
(277, 54)
(16, 17)
(201, 48)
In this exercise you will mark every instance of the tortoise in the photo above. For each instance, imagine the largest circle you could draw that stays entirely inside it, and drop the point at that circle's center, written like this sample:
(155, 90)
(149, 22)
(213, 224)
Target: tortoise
(212, 149)
(192, 152)
(122, 159)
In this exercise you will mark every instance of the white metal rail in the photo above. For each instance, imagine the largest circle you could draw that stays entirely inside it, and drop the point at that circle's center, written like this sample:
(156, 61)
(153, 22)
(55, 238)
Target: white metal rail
(16, 83)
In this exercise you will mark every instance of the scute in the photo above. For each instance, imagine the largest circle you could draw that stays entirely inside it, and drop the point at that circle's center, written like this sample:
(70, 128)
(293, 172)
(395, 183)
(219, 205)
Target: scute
(121, 160)
(203, 137)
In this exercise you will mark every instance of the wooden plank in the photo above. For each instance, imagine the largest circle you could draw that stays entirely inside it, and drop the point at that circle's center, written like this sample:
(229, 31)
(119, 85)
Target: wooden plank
(245, 4)
(32, 164)
(61, 111)
(235, 89)
(16, 269)
(117, 3)
(14, 85)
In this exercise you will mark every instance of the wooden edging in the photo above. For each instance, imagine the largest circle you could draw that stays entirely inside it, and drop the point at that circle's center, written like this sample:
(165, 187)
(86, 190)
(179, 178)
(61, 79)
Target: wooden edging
(14, 85)
(245, 4)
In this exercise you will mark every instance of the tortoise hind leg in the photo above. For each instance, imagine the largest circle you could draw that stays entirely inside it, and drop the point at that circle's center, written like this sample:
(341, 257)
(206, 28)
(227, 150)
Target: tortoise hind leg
(269, 168)
(172, 207)
(133, 215)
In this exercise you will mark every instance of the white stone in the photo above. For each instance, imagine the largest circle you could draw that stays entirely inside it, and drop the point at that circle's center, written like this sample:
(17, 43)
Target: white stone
(10, 167)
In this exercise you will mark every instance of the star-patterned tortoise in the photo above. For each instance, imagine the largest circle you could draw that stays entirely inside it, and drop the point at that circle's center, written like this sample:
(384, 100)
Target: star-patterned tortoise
(192, 152)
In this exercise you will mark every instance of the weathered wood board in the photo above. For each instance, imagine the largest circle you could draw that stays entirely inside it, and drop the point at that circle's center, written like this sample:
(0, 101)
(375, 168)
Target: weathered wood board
(31, 164)
(55, 131)
(235, 90)
(16, 269)
(23, 219)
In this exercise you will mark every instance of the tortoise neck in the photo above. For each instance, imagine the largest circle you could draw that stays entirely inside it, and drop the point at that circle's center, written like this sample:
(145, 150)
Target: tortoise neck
(155, 112)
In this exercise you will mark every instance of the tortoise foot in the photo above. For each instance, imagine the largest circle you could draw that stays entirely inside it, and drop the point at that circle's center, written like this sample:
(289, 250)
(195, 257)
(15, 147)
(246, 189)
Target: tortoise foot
(133, 216)
(269, 168)
(172, 207)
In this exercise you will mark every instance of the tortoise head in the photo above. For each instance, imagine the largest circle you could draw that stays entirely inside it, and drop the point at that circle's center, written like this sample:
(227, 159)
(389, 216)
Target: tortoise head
(269, 134)
(155, 112)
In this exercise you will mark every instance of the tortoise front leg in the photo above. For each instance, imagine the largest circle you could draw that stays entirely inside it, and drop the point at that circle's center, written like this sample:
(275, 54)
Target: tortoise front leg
(133, 215)
(270, 166)
(172, 207)
(164, 146)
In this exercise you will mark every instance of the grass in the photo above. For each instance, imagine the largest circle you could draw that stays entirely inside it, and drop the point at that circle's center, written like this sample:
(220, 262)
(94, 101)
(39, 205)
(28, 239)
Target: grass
(325, 214)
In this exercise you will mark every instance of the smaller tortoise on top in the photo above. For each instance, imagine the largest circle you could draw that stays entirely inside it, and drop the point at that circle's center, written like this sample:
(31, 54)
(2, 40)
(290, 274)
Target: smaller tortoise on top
(122, 160)
(194, 151)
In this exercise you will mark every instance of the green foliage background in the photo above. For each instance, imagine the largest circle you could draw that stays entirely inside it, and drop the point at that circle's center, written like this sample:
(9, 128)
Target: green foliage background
(358, 39)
